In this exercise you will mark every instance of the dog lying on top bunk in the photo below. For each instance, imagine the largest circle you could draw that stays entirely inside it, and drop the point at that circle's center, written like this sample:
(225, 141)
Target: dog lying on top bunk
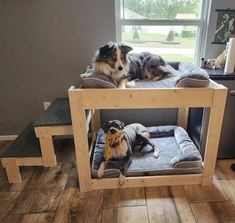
(120, 141)
(116, 61)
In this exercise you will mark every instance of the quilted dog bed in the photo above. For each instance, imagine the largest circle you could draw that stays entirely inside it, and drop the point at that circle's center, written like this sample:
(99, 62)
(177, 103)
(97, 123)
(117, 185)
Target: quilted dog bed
(177, 155)
(182, 75)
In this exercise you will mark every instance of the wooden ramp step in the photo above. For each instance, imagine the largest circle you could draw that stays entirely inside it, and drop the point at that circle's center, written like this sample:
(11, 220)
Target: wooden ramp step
(25, 145)
(23, 151)
(58, 113)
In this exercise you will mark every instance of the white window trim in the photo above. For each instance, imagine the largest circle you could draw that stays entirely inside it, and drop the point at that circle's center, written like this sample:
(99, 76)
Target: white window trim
(201, 23)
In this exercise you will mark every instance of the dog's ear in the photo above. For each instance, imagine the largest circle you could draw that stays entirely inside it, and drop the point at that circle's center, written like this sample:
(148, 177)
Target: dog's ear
(122, 124)
(125, 49)
(145, 61)
(106, 126)
(162, 61)
(104, 51)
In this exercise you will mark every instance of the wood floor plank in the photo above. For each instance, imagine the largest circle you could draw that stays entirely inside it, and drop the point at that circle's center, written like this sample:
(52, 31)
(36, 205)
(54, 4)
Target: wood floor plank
(132, 214)
(223, 170)
(168, 204)
(110, 215)
(131, 197)
(229, 188)
(26, 174)
(31, 218)
(198, 193)
(110, 199)
(214, 212)
(183, 208)
(73, 177)
(46, 178)
(63, 211)
(80, 207)
(37, 201)
(7, 200)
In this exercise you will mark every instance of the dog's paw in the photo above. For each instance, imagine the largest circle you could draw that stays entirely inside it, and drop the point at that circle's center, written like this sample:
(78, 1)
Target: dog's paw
(156, 154)
(100, 171)
(121, 179)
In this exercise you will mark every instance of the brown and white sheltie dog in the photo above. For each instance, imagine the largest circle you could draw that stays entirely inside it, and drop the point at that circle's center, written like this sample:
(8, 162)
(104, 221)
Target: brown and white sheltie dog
(111, 59)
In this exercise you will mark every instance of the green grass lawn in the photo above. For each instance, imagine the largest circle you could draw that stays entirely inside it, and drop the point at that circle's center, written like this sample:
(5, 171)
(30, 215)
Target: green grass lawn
(151, 40)
(147, 40)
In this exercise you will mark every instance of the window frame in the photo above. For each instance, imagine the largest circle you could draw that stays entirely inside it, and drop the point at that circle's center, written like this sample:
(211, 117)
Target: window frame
(200, 23)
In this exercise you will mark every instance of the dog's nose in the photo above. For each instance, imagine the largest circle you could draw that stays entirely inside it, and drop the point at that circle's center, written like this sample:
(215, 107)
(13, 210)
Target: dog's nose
(112, 130)
(120, 68)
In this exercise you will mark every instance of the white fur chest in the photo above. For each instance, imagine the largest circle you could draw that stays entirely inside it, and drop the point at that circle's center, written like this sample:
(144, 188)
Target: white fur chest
(120, 150)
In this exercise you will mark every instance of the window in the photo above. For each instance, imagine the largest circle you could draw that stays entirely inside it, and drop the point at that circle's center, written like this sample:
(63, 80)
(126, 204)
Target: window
(174, 29)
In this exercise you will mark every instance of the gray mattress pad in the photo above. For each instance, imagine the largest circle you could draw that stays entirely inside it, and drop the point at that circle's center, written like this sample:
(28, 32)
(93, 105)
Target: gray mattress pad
(177, 155)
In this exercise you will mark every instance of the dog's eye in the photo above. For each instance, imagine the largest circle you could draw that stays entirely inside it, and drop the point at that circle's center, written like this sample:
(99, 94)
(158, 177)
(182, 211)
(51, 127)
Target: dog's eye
(153, 66)
(114, 58)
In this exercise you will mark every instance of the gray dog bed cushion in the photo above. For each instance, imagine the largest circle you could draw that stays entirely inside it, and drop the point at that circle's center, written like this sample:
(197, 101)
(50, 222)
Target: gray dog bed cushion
(181, 75)
(177, 155)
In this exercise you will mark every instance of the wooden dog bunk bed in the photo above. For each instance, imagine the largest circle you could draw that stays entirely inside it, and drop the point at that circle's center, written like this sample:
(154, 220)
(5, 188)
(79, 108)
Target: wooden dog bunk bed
(212, 98)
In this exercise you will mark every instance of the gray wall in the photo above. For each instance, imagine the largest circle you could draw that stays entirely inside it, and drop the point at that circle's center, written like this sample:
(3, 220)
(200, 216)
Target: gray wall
(213, 50)
(44, 46)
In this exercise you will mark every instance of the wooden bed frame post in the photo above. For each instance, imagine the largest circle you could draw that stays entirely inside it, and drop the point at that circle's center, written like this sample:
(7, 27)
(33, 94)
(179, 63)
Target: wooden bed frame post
(95, 120)
(213, 135)
(12, 170)
(182, 119)
(47, 147)
(78, 116)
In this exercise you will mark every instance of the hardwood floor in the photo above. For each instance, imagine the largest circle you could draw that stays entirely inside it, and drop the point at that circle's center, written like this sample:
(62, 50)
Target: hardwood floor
(51, 195)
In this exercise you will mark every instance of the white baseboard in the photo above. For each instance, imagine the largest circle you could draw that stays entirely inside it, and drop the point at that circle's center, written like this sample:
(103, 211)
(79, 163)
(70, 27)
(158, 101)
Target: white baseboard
(7, 137)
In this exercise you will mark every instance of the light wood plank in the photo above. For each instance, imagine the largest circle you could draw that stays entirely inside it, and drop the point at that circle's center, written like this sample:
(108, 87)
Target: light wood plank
(132, 214)
(147, 181)
(145, 98)
(81, 142)
(12, 170)
(47, 150)
(182, 117)
(54, 130)
(214, 212)
(213, 134)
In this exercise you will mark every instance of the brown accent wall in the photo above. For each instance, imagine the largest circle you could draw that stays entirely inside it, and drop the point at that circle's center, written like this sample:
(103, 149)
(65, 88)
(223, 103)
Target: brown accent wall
(44, 46)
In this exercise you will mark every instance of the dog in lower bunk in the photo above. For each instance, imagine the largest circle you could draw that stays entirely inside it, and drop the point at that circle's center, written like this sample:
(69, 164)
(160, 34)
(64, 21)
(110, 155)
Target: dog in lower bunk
(120, 141)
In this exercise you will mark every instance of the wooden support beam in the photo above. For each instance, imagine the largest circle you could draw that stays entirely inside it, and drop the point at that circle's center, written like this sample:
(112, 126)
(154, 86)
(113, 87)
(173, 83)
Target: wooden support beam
(12, 170)
(182, 119)
(213, 135)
